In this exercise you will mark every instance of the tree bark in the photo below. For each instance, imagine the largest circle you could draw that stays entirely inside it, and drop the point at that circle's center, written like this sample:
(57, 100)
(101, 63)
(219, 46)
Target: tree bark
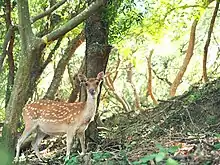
(149, 83)
(8, 49)
(186, 60)
(211, 26)
(11, 65)
(97, 53)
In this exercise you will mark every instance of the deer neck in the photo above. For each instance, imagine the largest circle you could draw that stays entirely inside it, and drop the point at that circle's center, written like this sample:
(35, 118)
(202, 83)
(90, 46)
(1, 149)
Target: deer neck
(91, 103)
(90, 107)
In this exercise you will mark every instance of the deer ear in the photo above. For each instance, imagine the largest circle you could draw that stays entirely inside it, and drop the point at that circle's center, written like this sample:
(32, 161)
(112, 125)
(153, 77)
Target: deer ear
(82, 78)
(100, 76)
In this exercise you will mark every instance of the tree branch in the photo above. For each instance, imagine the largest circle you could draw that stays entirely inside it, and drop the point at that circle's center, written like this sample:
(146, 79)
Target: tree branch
(165, 79)
(188, 6)
(121, 99)
(49, 58)
(5, 45)
(49, 11)
(73, 22)
(61, 66)
(211, 26)
(181, 7)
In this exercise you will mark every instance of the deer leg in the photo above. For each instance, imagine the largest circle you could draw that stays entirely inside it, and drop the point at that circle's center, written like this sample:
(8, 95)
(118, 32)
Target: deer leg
(39, 137)
(69, 140)
(24, 136)
(81, 136)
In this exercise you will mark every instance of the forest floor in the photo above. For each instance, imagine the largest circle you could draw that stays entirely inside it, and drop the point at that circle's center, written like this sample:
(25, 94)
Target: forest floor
(183, 130)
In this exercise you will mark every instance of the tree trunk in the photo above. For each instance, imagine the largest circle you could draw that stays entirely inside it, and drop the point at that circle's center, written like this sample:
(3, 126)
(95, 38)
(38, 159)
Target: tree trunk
(212, 23)
(76, 85)
(149, 83)
(9, 51)
(137, 102)
(109, 83)
(11, 65)
(186, 61)
(97, 53)
(58, 74)
(29, 45)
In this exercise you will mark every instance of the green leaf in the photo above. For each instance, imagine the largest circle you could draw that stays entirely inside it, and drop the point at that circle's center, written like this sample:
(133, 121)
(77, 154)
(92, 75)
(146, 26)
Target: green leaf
(171, 161)
(136, 162)
(147, 158)
(217, 135)
(207, 162)
(72, 160)
(134, 62)
(100, 155)
(126, 52)
(161, 148)
(217, 146)
(173, 149)
(97, 155)
(160, 156)
(106, 155)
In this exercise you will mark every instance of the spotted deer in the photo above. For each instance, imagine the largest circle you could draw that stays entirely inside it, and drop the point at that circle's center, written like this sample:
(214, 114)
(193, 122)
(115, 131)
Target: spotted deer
(54, 118)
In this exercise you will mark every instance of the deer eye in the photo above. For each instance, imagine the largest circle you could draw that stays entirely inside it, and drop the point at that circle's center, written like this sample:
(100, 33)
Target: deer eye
(97, 82)
(86, 84)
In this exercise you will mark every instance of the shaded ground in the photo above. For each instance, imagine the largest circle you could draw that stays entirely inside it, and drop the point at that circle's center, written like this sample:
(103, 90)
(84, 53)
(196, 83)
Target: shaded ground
(184, 129)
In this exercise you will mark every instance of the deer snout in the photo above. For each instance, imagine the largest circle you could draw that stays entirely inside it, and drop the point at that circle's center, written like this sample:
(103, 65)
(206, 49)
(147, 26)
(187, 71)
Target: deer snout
(92, 91)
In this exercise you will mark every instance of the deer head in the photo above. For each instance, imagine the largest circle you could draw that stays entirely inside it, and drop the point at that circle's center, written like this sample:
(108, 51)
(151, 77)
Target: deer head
(92, 84)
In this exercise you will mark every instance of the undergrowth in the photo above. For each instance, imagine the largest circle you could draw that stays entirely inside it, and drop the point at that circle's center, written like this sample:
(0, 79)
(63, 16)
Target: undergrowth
(112, 158)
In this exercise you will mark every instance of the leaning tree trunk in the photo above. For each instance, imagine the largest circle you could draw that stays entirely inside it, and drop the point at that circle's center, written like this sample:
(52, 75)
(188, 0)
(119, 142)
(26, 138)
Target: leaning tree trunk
(149, 83)
(61, 66)
(211, 26)
(186, 61)
(97, 53)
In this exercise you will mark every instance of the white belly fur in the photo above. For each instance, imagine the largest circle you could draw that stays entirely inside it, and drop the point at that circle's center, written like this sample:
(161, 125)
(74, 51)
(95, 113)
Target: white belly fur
(52, 128)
